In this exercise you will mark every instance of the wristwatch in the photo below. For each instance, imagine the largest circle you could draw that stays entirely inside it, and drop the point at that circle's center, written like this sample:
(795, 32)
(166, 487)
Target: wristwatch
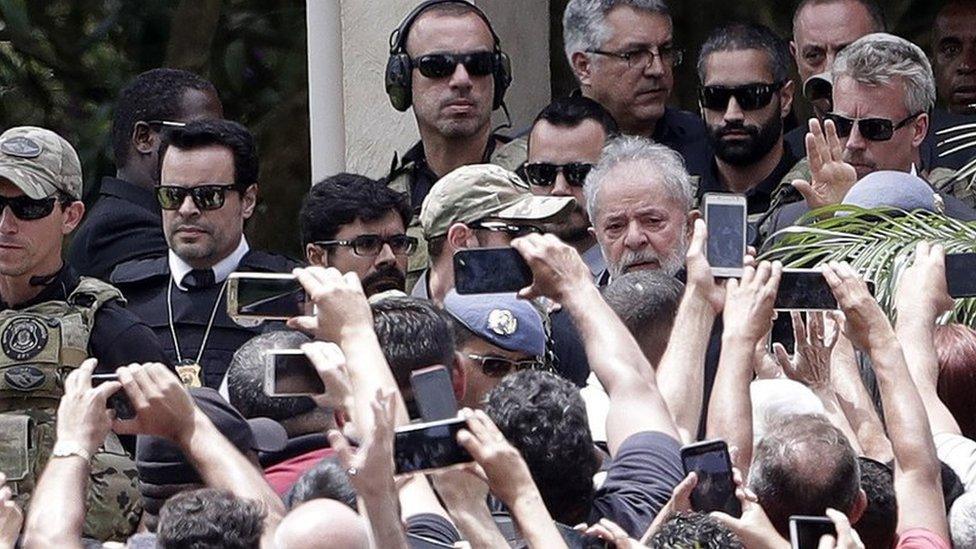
(67, 449)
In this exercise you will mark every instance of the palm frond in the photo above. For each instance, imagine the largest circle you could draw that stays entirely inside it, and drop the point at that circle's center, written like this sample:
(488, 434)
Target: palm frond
(965, 138)
(879, 243)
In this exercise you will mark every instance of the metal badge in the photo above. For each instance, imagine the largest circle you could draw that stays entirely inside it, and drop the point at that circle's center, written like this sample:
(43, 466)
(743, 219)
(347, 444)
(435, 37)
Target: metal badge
(20, 146)
(189, 372)
(24, 378)
(502, 322)
(24, 338)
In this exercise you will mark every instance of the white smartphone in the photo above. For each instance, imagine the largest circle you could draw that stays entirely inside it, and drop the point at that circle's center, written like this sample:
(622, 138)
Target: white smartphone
(725, 217)
(289, 373)
(265, 296)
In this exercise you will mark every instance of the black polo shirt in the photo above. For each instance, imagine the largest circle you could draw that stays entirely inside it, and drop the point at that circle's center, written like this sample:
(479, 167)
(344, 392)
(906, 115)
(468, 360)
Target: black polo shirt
(124, 224)
(758, 198)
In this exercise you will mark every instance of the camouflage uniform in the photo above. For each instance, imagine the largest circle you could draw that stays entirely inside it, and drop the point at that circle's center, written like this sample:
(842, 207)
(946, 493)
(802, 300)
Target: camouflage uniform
(41, 345)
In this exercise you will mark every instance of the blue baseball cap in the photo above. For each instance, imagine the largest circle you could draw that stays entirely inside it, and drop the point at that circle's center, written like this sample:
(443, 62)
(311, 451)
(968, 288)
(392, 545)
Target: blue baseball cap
(503, 320)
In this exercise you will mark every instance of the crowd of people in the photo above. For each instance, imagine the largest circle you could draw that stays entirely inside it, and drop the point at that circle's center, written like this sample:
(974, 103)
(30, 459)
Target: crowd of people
(135, 406)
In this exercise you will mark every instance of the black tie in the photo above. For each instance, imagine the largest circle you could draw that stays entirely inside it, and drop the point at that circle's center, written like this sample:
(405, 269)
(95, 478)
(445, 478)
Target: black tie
(198, 279)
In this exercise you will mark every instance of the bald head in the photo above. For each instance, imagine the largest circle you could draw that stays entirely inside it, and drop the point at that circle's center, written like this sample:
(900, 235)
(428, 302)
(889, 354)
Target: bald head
(322, 523)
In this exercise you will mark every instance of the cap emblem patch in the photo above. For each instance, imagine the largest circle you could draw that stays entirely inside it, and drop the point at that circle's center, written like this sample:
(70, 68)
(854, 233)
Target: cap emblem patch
(20, 146)
(502, 322)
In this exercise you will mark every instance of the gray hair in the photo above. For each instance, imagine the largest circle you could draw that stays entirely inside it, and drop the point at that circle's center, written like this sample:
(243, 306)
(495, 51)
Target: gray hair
(584, 22)
(632, 148)
(876, 59)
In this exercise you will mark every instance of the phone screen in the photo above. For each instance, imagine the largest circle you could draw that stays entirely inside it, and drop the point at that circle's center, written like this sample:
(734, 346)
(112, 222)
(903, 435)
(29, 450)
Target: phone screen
(269, 297)
(715, 490)
(433, 393)
(119, 400)
(960, 269)
(802, 290)
(429, 446)
(726, 235)
(293, 375)
(805, 532)
(490, 271)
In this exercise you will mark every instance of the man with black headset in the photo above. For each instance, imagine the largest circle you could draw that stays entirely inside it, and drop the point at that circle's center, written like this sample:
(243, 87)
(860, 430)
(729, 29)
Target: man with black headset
(446, 62)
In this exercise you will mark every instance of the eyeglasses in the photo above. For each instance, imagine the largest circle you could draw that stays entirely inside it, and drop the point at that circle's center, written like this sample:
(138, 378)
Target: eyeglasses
(504, 227)
(26, 208)
(543, 174)
(872, 129)
(749, 97)
(642, 57)
(496, 366)
(205, 197)
(441, 65)
(370, 245)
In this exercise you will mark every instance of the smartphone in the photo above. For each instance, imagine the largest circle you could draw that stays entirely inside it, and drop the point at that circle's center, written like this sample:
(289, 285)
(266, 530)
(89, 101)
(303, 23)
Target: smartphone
(289, 373)
(265, 296)
(725, 217)
(433, 393)
(715, 490)
(490, 271)
(119, 401)
(806, 290)
(782, 333)
(427, 446)
(961, 274)
(805, 532)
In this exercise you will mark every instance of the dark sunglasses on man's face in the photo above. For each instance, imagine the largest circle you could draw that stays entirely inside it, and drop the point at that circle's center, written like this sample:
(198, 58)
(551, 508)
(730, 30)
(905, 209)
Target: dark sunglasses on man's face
(26, 208)
(543, 174)
(205, 197)
(441, 65)
(496, 366)
(872, 129)
(750, 97)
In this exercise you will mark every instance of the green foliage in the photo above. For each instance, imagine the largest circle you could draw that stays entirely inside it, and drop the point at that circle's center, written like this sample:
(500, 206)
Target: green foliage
(878, 243)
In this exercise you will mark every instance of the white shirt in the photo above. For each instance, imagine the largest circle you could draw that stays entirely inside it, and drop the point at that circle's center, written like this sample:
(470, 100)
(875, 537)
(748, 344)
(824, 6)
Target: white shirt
(179, 268)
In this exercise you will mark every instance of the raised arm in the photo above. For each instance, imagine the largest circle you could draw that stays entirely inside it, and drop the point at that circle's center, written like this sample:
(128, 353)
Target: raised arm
(858, 407)
(614, 356)
(917, 470)
(831, 177)
(680, 375)
(748, 317)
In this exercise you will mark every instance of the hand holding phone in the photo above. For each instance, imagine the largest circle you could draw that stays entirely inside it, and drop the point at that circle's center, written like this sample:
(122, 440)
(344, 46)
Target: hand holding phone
(433, 392)
(119, 401)
(961, 274)
(711, 463)
(423, 447)
(490, 271)
(289, 373)
(265, 296)
(725, 217)
(805, 531)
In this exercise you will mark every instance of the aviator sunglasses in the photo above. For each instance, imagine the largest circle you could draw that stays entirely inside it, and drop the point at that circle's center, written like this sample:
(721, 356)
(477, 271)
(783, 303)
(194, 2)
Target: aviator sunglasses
(496, 366)
(872, 129)
(205, 197)
(750, 97)
(441, 65)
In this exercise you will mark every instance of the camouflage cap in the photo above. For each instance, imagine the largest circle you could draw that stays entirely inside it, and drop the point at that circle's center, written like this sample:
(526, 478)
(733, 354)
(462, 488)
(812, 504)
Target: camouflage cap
(480, 191)
(39, 162)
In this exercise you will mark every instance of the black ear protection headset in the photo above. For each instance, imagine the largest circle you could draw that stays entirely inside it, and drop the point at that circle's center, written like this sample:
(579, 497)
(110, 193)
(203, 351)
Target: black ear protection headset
(399, 68)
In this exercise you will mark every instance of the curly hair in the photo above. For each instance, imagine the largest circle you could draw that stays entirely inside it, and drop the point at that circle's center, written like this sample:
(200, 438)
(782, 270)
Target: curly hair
(544, 416)
(210, 519)
(694, 531)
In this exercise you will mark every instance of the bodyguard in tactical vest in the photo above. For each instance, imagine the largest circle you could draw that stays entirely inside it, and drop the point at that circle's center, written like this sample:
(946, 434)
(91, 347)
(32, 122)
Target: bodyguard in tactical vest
(50, 321)
(208, 188)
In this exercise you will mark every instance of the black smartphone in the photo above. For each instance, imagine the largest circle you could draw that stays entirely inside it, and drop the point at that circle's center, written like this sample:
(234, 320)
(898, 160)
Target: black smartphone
(961, 274)
(804, 289)
(433, 393)
(428, 446)
(805, 532)
(782, 332)
(490, 271)
(725, 217)
(265, 296)
(715, 490)
(289, 372)
(119, 401)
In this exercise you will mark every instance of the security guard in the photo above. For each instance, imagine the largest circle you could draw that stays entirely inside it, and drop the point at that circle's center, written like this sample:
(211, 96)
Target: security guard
(446, 62)
(208, 188)
(50, 321)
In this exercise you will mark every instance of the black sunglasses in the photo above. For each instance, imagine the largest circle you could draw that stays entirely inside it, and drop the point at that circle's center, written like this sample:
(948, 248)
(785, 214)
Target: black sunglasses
(749, 97)
(496, 366)
(205, 197)
(543, 174)
(370, 245)
(872, 129)
(441, 65)
(26, 208)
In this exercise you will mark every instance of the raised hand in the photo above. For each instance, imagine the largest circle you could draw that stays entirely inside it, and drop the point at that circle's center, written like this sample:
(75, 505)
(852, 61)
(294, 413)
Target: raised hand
(865, 324)
(340, 304)
(815, 340)
(557, 268)
(11, 516)
(831, 177)
(701, 283)
(749, 302)
(370, 467)
(922, 293)
(83, 418)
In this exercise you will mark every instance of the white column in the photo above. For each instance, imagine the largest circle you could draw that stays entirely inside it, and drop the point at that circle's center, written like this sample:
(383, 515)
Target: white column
(326, 107)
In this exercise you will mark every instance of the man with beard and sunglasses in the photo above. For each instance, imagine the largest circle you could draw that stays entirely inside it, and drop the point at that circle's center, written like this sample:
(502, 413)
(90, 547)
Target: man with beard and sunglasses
(447, 64)
(357, 224)
(208, 185)
(51, 320)
(745, 95)
(564, 144)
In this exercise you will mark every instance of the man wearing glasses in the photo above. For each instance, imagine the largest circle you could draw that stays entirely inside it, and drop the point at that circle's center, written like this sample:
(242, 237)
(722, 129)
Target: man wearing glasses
(51, 320)
(564, 144)
(745, 95)
(207, 189)
(447, 64)
(623, 54)
(357, 224)
(125, 223)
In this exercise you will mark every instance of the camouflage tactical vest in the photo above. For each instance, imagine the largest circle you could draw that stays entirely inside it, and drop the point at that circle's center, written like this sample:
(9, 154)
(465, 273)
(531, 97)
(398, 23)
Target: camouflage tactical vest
(39, 347)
